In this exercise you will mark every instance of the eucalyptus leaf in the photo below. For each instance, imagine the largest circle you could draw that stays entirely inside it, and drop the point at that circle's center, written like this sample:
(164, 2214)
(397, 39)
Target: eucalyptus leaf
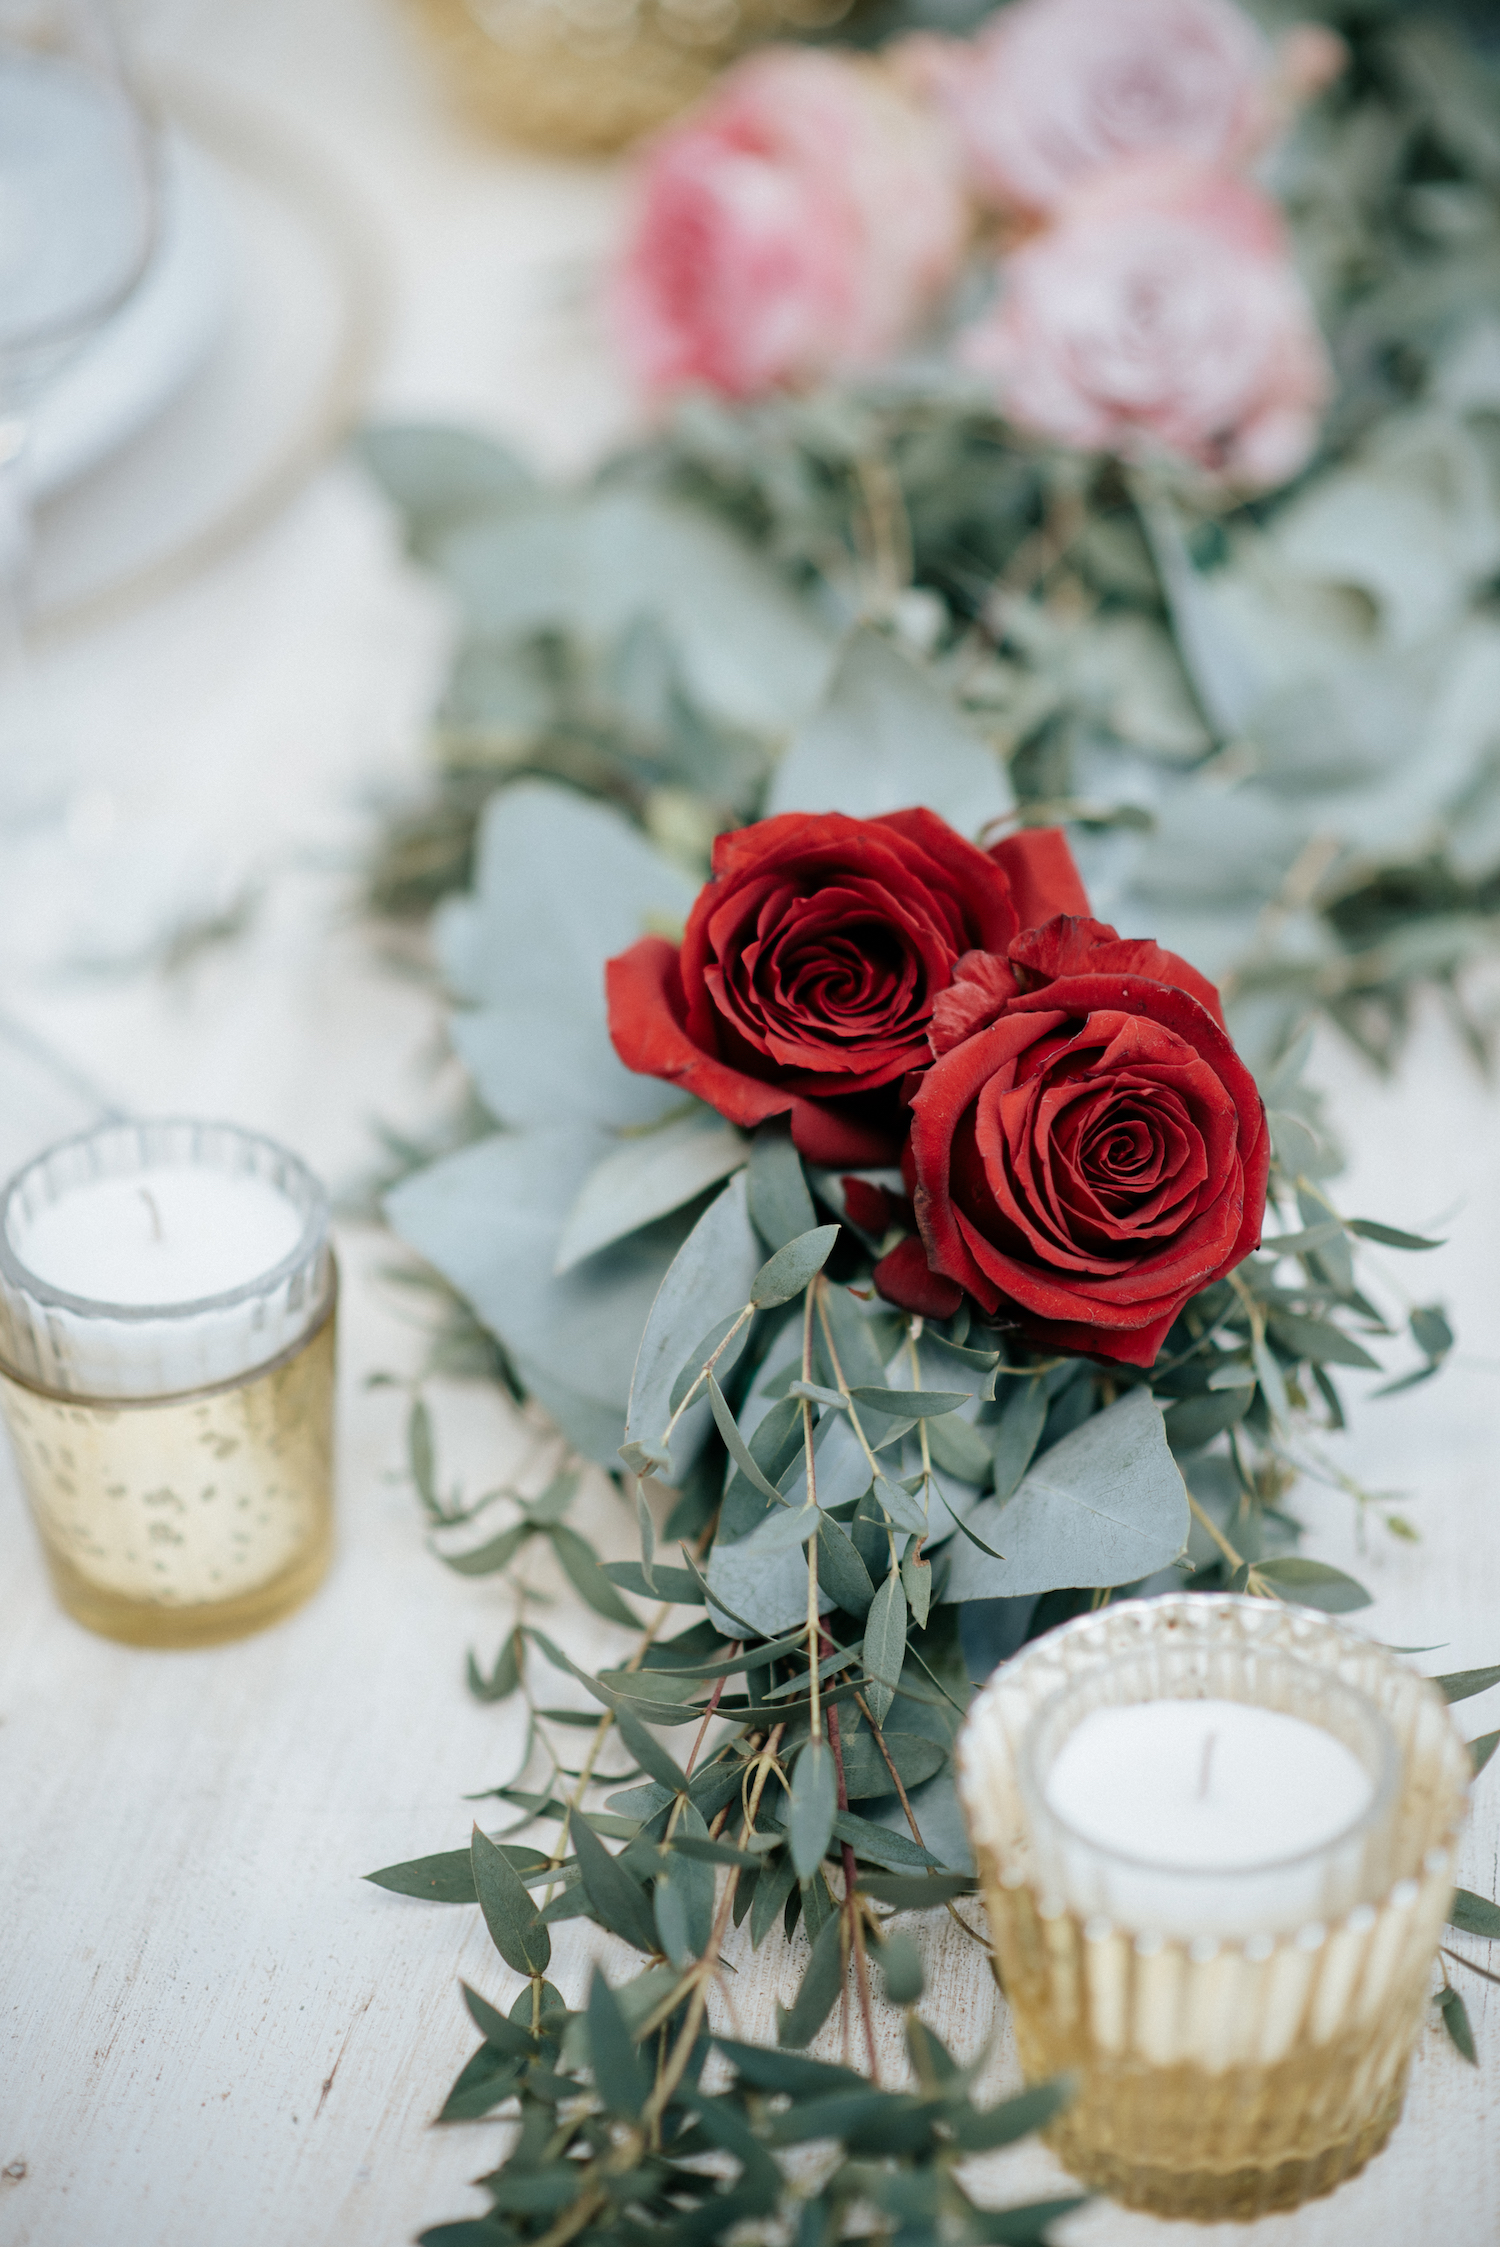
(620, 1902)
(1456, 2021)
(885, 738)
(910, 1404)
(1106, 1505)
(619, 2077)
(1016, 1434)
(818, 1992)
(814, 1804)
(793, 1267)
(1462, 1685)
(509, 1913)
(884, 1650)
(841, 1571)
(580, 1563)
(1474, 1915)
(780, 1204)
(1313, 1583)
(647, 1178)
(708, 1278)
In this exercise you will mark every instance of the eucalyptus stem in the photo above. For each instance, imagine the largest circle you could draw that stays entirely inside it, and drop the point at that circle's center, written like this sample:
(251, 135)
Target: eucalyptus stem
(813, 1664)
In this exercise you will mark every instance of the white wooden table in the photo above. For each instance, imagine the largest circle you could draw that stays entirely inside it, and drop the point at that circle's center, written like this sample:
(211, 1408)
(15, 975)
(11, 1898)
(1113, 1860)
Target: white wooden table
(211, 2033)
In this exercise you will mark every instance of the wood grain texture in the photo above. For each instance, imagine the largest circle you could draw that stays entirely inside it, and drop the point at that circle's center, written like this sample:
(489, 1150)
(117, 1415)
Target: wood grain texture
(212, 2033)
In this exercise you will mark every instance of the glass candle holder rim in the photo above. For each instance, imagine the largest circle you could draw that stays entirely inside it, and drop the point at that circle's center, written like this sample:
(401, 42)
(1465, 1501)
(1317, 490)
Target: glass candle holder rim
(1382, 1797)
(316, 1214)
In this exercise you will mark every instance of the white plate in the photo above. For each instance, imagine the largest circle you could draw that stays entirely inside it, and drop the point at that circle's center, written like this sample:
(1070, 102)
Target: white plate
(251, 344)
(154, 344)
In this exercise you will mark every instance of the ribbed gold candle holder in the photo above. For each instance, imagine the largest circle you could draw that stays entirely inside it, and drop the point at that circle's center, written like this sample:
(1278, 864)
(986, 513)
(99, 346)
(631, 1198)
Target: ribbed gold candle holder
(177, 1454)
(1218, 2078)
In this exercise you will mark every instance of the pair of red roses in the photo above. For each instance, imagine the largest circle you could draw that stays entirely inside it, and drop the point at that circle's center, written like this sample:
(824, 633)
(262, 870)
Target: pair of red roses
(1083, 1148)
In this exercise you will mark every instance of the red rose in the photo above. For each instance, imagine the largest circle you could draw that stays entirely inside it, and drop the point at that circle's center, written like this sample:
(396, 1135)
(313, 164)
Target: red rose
(812, 961)
(1087, 1150)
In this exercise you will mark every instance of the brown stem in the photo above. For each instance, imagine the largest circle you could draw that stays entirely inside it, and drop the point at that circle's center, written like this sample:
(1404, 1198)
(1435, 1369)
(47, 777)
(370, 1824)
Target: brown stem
(713, 1703)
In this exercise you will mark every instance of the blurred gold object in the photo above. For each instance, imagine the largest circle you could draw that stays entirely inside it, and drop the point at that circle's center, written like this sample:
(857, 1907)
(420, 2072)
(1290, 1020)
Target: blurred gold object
(586, 77)
(1216, 2079)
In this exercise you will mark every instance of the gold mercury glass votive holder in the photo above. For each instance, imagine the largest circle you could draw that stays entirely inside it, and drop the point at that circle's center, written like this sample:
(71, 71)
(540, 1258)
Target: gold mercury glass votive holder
(177, 1456)
(1216, 2076)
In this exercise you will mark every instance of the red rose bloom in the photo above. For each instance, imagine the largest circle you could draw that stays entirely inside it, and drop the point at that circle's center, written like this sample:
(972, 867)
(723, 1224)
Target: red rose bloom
(812, 961)
(1087, 1150)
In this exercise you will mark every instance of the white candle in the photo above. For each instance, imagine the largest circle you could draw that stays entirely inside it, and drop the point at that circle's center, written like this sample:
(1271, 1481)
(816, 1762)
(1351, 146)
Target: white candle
(1202, 1816)
(163, 1236)
(147, 1260)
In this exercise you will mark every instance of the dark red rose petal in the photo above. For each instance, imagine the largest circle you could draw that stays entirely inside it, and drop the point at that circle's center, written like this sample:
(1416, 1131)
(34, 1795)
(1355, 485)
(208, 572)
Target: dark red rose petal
(906, 1279)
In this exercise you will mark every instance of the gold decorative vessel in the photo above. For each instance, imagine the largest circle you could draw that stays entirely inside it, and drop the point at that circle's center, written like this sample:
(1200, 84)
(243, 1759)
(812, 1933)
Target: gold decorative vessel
(1219, 2078)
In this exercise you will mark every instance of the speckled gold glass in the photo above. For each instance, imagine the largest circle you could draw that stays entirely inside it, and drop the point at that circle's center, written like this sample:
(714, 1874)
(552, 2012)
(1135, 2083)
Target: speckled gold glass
(1217, 2079)
(185, 1520)
(178, 1458)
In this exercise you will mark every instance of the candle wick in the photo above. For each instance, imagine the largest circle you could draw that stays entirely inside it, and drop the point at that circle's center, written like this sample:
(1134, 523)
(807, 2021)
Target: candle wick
(1208, 1756)
(150, 1201)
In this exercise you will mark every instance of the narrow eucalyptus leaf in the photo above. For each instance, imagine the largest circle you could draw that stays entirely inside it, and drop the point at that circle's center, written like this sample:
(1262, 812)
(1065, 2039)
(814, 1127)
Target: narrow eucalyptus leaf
(419, 1455)
(738, 1449)
(447, 1878)
(881, 1844)
(1481, 1750)
(619, 2077)
(504, 2035)
(509, 1913)
(789, 1271)
(1016, 1434)
(581, 1565)
(1456, 2021)
(903, 1509)
(620, 1901)
(1313, 1583)
(503, 1678)
(799, 2023)
(1462, 1685)
(916, 1579)
(884, 1649)
(986, 2130)
(1389, 1236)
(781, 1207)
(901, 1964)
(913, 1892)
(766, 2069)
(911, 1404)
(1476, 1915)
(841, 1572)
(649, 1752)
(814, 1805)
(647, 1529)
(702, 1351)
(671, 1584)
(488, 1559)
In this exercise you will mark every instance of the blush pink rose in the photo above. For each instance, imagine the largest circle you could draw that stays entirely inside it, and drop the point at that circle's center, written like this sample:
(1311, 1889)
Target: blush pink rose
(1055, 90)
(1160, 313)
(799, 221)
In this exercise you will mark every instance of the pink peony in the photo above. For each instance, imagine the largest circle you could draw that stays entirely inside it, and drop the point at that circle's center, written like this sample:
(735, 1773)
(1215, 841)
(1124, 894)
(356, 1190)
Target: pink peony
(1054, 90)
(800, 220)
(1160, 313)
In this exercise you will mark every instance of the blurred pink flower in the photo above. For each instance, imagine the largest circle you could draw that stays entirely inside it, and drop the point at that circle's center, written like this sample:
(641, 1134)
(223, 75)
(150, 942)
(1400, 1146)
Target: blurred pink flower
(799, 221)
(1160, 313)
(1054, 90)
